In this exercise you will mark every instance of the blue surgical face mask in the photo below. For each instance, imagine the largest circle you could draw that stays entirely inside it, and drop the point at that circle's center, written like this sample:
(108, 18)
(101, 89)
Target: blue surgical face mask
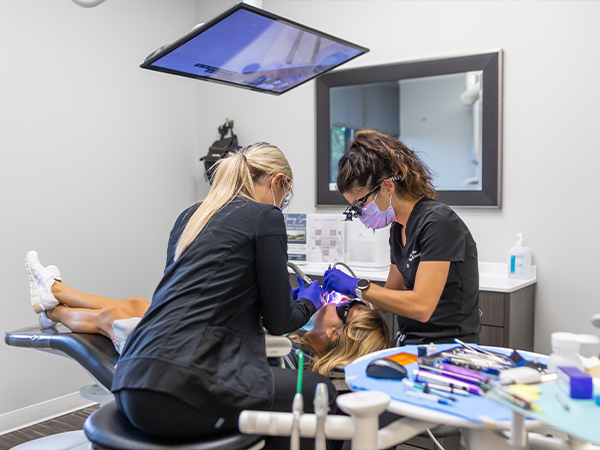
(372, 217)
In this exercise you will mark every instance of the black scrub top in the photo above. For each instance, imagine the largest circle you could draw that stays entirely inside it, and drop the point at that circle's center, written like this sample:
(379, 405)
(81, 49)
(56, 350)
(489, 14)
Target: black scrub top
(434, 232)
(202, 339)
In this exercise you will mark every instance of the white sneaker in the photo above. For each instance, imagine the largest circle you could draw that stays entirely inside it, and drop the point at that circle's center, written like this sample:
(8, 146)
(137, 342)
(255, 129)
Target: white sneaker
(122, 329)
(41, 280)
(45, 321)
(55, 272)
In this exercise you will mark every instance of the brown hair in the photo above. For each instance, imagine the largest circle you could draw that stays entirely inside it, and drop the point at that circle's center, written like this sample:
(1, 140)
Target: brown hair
(373, 157)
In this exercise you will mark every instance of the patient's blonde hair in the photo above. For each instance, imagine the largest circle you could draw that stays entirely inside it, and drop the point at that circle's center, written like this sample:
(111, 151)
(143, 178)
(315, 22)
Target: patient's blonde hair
(366, 333)
(235, 176)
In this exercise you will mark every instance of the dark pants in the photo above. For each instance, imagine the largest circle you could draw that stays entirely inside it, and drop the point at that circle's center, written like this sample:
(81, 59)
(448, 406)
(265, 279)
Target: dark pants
(160, 414)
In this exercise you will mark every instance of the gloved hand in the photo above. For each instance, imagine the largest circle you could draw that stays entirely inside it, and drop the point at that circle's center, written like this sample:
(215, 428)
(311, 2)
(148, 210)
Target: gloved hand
(312, 292)
(338, 281)
(295, 292)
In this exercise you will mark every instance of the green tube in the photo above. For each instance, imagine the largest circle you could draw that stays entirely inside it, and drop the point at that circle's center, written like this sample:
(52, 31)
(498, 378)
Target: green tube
(300, 370)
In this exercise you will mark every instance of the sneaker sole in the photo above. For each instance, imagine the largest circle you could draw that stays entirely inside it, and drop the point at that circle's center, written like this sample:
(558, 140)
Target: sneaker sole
(35, 301)
(46, 322)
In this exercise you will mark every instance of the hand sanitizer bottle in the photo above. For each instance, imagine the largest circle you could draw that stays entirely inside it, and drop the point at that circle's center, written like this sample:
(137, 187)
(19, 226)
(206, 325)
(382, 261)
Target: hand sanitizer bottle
(519, 260)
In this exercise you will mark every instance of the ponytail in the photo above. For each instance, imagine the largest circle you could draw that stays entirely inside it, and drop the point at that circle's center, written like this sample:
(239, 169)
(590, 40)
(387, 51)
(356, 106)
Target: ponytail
(373, 157)
(235, 176)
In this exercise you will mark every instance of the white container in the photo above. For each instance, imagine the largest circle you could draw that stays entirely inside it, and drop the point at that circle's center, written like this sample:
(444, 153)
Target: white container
(565, 351)
(519, 260)
(367, 249)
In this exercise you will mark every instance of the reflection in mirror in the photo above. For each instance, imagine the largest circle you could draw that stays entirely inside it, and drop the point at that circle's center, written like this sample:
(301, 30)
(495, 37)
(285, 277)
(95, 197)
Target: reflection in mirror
(439, 117)
(435, 107)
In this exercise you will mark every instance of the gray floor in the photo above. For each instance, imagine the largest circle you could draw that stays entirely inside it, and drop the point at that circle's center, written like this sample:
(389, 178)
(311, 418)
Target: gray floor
(68, 422)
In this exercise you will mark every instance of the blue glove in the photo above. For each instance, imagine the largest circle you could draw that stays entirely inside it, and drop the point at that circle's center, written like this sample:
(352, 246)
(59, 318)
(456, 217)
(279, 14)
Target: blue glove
(312, 293)
(338, 281)
(295, 292)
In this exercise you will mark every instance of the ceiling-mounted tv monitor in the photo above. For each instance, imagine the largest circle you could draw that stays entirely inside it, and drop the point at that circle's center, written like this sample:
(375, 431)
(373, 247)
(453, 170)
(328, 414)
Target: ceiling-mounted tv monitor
(253, 49)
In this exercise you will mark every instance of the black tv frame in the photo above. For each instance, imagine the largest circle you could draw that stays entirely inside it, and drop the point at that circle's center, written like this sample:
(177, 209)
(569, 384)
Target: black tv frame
(165, 50)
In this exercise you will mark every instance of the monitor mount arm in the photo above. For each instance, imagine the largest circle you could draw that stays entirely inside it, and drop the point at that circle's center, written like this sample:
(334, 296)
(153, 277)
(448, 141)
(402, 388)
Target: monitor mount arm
(88, 3)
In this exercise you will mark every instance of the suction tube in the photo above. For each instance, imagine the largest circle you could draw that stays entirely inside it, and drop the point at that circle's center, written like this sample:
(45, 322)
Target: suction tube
(339, 263)
(296, 269)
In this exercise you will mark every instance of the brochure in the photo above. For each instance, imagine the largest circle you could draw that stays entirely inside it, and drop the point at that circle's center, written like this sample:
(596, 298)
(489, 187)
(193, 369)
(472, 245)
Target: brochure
(295, 225)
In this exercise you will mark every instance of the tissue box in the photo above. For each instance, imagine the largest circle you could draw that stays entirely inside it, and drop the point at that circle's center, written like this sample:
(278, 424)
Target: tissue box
(575, 383)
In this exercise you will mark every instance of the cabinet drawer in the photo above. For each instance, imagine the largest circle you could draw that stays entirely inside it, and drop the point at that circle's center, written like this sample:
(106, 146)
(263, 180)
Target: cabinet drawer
(492, 336)
(491, 305)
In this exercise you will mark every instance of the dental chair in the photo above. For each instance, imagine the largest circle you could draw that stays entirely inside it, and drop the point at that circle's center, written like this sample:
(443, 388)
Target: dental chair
(107, 428)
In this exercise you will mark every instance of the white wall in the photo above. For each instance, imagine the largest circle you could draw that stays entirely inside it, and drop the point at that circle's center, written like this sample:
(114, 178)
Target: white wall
(99, 156)
(550, 154)
(95, 162)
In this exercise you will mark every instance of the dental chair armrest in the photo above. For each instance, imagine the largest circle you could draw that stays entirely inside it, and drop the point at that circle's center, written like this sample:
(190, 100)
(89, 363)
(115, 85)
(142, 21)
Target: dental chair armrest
(94, 352)
(277, 345)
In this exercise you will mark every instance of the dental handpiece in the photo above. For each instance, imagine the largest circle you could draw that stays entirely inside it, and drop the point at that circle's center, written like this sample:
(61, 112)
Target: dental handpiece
(298, 272)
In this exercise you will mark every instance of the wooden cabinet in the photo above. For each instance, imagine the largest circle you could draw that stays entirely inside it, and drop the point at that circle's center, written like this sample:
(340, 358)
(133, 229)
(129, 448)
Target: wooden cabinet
(507, 318)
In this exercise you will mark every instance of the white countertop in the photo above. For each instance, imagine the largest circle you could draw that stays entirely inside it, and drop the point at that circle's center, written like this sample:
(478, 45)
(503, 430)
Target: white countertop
(492, 276)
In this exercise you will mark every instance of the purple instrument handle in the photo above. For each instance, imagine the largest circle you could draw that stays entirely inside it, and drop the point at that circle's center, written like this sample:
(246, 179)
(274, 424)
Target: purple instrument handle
(461, 371)
(429, 377)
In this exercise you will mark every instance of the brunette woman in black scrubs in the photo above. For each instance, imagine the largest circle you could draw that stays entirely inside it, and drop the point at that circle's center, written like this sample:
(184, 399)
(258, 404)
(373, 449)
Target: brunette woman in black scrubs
(433, 283)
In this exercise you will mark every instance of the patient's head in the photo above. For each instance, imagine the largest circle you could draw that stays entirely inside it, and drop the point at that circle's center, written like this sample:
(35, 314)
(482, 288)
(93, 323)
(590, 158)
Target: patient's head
(345, 331)
(330, 319)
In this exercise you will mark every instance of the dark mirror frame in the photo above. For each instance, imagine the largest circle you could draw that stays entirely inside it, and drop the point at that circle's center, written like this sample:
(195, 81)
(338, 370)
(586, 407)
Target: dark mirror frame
(491, 63)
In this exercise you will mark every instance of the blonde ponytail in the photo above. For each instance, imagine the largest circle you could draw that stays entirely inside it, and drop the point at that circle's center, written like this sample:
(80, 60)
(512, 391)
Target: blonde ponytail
(235, 176)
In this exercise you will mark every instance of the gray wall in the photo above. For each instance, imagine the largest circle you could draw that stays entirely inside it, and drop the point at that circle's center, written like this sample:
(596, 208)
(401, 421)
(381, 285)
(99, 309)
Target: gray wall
(434, 121)
(375, 106)
(96, 162)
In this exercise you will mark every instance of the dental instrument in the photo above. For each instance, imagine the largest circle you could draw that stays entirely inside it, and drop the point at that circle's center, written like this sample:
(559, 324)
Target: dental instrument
(429, 377)
(321, 403)
(427, 389)
(298, 405)
(430, 397)
(302, 275)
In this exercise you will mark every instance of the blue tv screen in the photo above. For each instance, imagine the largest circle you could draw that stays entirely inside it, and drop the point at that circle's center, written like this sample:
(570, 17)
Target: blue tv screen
(254, 49)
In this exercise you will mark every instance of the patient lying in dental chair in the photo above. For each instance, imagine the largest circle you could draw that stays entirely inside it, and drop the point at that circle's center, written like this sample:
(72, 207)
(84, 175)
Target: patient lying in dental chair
(341, 331)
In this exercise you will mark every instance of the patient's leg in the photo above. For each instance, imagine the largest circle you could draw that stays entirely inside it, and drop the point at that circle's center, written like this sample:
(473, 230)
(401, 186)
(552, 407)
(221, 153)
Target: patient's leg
(81, 320)
(133, 306)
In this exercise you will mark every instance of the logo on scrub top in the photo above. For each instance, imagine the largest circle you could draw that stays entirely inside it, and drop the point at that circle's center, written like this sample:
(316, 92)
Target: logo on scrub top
(413, 256)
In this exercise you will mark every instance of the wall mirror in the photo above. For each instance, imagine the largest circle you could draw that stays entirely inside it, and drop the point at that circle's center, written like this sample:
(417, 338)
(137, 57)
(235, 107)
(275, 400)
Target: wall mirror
(447, 110)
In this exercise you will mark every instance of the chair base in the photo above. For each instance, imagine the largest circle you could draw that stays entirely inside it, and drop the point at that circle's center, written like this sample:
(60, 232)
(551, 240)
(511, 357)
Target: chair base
(109, 429)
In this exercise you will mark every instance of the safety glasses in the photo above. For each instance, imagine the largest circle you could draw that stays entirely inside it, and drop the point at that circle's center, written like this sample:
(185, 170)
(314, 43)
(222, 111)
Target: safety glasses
(343, 308)
(354, 209)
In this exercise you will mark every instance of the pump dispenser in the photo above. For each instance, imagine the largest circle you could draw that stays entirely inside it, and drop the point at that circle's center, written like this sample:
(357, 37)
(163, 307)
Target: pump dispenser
(519, 260)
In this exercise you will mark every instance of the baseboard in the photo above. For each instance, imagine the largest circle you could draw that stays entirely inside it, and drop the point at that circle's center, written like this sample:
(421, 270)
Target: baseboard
(30, 415)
